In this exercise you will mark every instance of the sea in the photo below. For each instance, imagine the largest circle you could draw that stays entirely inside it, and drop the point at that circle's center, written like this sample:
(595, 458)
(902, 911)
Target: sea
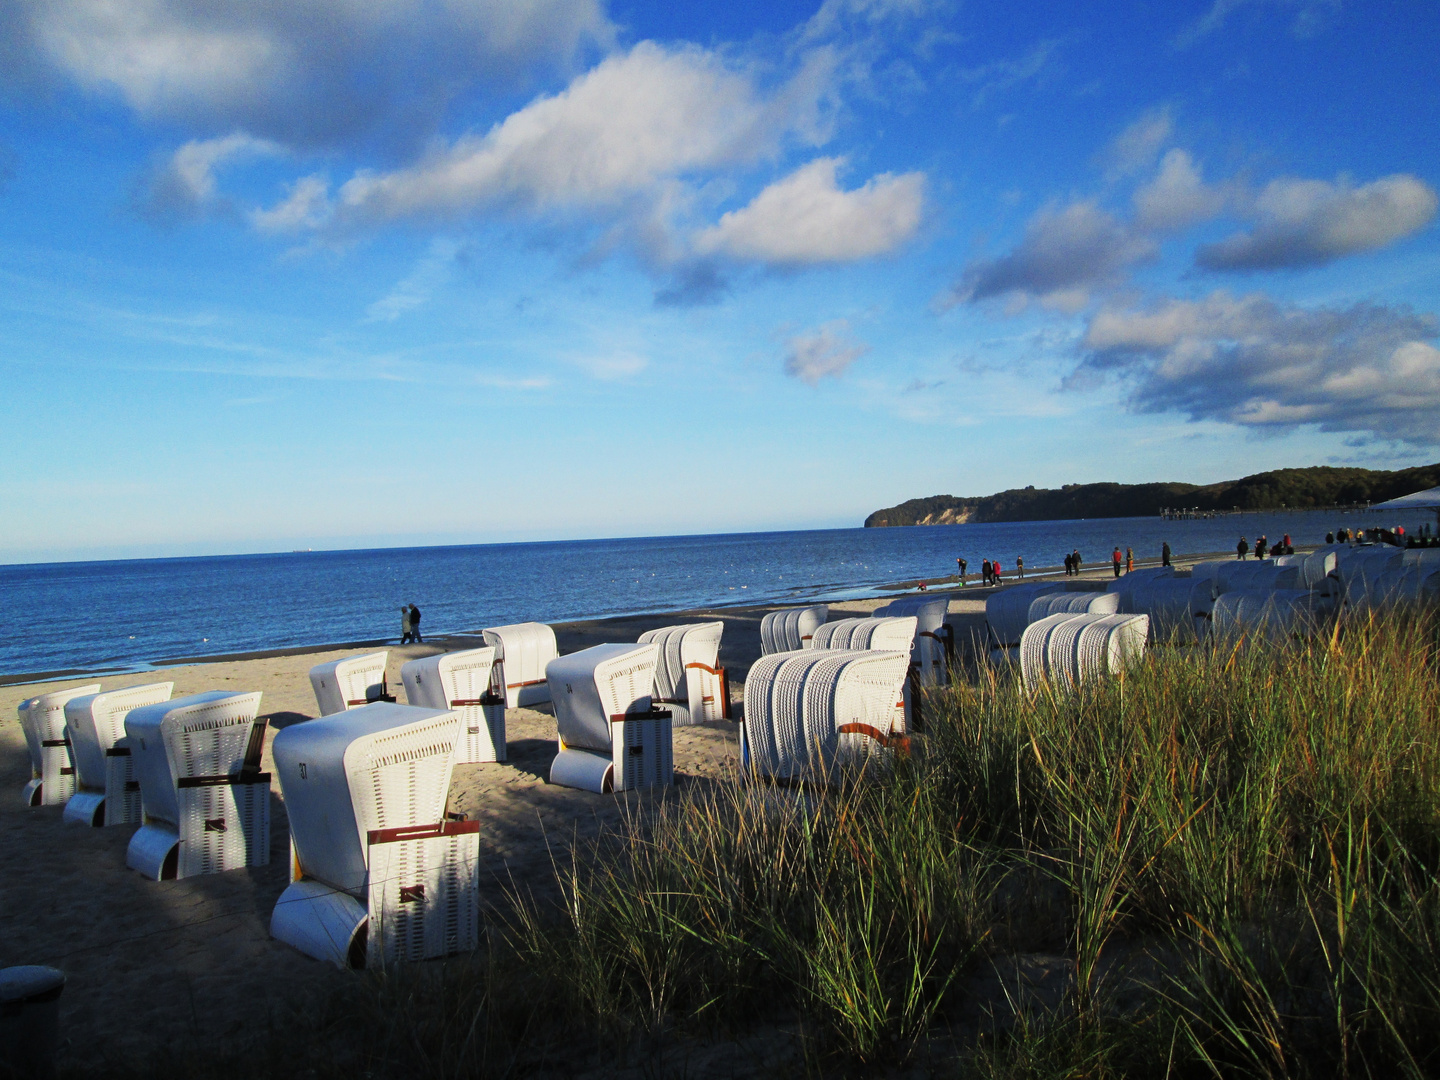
(127, 615)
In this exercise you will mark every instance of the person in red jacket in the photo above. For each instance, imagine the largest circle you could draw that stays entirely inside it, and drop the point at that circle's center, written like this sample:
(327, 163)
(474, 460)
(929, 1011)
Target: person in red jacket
(995, 570)
(1115, 558)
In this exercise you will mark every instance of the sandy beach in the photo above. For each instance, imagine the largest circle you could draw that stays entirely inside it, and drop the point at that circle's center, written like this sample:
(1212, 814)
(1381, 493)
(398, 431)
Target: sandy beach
(144, 959)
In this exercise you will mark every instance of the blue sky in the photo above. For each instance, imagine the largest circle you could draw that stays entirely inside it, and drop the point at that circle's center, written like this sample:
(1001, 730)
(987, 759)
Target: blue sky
(335, 273)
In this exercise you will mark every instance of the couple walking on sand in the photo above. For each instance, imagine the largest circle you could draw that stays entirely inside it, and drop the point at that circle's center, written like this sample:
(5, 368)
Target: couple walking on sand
(410, 625)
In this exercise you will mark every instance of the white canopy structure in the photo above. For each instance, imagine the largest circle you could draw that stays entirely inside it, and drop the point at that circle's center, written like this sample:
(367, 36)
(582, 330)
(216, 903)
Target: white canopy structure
(934, 640)
(472, 683)
(95, 723)
(378, 873)
(610, 737)
(206, 804)
(807, 711)
(350, 682)
(1429, 499)
(1069, 650)
(524, 649)
(688, 679)
(42, 719)
(790, 629)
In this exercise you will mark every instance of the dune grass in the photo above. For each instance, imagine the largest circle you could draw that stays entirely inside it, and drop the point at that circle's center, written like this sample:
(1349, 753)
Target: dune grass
(1223, 863)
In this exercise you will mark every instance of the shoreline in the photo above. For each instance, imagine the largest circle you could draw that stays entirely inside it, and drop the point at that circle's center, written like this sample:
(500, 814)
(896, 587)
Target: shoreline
(946, 584)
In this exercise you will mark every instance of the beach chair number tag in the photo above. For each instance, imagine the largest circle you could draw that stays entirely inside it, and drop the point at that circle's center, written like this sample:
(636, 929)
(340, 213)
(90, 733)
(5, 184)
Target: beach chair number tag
(412, 894)
(215, 824)
(302, 770)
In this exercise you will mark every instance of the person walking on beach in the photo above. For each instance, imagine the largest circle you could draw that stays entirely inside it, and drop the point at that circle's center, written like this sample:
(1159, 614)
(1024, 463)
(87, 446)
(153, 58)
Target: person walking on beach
(415, 625)
(1129, 560)
(1115, 558)
(1165, 553)
(1242, 548)
(1261, 548)
(1069, 566)
(995, 571)
(962, 564)
(405, 631)
(1020, 567)
(985, 571)
(1075, 559)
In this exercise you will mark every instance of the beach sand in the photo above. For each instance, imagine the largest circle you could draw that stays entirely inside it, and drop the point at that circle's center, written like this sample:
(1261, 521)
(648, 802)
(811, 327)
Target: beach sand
(192, 961)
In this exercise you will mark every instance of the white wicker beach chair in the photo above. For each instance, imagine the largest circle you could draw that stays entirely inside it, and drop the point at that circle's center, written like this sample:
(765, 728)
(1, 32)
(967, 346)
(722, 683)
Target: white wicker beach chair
(1428, 558)
(810, 710)
(206, 804)
(379, 872)
(934, 640)
(42, 719)
(1073, 603)
(350, 682)
(1167, 602)
(610, 736)
(791, 629)
(1008, 611)
(1274, 614)
(95, 723)
(524, 649)
(1135, 577)
(1314, 568)
(890, 634)
(1068, 650)
(1034, 647)
(1412, 585)
(689, 682)
(472, 683)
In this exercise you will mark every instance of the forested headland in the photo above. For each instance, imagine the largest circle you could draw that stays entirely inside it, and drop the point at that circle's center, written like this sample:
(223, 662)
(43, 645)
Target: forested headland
(1316, 487)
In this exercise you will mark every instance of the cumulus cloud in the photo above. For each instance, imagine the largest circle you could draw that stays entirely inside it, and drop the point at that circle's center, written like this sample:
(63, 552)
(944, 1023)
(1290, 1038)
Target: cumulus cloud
(806, 218)
(1258, 363)
(299, 71)
(1065, 253)
(829, 350)
(633, 121)
(1136, 148)
(1177, 197)
(184, 185)
(1312, 222)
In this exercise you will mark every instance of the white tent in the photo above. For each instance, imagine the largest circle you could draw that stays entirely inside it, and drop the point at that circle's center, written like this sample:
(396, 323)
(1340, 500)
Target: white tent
(42, 719)
(688, 679)
(95, 722)
(377, 871)
(1429, 499)
(349, 682)
(934, 640)
(524, 650)
(472, 683)
(610, 737)
(807, 711)
(790, 629)
(206, 804)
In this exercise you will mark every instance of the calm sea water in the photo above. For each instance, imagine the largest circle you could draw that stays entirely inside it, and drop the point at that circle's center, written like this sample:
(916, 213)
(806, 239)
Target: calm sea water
(130, 613)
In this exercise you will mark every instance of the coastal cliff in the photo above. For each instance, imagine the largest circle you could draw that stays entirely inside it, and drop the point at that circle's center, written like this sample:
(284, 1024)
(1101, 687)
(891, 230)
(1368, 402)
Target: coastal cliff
(1318, 486)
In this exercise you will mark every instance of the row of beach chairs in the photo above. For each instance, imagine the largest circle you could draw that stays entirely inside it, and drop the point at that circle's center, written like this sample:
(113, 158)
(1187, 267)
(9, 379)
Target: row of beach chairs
(380, 870)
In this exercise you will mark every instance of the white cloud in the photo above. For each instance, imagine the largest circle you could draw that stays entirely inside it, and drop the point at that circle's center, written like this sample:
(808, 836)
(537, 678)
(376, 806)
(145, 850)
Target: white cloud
(828, 350)
(622, 128)
(614, 367)
(1064, 255)
(417, 287)
(1311, 16)
(184, 183)
(301, 71)
(307, 206)
(1313, 222)
(1000, 75)
(806, 218)
(1177, 197)
(1258, 363)
(1136, 148)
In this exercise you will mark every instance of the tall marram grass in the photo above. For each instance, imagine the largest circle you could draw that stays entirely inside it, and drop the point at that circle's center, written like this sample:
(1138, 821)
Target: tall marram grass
(1227, 860)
